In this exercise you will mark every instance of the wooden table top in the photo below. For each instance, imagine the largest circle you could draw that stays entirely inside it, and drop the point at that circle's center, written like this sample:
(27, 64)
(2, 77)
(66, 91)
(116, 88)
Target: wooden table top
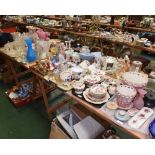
(105, 117)
(87, 105)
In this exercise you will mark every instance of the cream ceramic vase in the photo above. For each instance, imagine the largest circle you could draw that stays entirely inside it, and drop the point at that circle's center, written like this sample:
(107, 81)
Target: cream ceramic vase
(42, 48)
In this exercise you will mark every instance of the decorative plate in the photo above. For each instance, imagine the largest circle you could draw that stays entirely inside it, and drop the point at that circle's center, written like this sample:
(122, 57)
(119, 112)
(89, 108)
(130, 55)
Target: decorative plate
(66, 75)
(86, 94)
(135, 79)
(140, 118)
(122, 115)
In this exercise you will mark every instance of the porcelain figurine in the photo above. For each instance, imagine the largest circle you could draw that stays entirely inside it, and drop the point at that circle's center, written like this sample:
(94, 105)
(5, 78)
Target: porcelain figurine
(31, 54)
(42, 35)
(138, 101)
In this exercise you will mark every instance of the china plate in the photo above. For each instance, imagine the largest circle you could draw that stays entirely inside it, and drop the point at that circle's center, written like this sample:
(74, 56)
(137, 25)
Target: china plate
(85, 93)
(65, 75)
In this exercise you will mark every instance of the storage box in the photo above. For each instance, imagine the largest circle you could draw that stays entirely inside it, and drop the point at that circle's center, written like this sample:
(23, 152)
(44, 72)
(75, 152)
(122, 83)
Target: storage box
(58, 132)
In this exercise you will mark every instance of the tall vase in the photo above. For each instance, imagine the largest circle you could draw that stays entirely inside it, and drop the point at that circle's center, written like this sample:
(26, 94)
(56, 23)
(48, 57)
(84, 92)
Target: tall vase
(31, 54)
(42, 48)
(138, 101)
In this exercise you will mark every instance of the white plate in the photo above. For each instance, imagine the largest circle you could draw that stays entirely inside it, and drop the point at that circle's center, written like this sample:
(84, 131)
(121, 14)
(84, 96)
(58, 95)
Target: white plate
(94, 102)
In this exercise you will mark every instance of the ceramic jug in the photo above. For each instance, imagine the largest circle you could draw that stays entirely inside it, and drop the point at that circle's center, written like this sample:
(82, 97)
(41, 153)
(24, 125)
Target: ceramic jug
(42, 35)
(138, 101)
(31, 54)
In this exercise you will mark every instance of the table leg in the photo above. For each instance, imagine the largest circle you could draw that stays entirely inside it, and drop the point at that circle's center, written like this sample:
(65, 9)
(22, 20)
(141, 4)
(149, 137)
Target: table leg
(43, 91)
(12, 71)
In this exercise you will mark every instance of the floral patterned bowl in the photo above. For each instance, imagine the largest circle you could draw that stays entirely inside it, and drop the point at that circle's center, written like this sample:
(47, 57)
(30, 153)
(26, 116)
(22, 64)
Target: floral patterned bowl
(91, 79)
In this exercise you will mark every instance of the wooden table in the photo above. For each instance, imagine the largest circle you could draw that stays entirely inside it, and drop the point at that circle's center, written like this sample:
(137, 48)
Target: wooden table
(49, 109)
(37, 79)
(101, 38)
(105, 117)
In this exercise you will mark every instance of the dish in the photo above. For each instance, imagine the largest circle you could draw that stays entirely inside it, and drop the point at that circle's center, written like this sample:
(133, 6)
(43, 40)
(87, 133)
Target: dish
(112, 105)
(135, 79)
(122, 115)
(86, 56)
(140, 118)
(97, 91)
(89, 99)
(66, 76)
(79, 87)
(91, 79)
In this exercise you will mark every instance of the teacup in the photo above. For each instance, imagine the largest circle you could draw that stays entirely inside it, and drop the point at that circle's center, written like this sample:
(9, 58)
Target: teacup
(78, 87)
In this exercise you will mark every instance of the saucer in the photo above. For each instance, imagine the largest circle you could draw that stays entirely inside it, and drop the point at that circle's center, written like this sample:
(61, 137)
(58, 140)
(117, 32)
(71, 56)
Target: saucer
(122, 115)
(85, 94)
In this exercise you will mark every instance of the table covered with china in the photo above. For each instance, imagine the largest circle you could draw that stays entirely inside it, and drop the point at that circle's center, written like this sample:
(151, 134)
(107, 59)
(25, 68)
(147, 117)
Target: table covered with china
(110, 87)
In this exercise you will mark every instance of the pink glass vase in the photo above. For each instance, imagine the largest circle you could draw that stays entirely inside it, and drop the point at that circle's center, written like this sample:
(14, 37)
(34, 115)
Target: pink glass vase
(42, 35)
(138, 101)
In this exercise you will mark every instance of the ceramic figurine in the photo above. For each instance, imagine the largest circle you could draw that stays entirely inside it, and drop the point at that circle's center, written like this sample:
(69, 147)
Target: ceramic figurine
(42, 35)
(138, 101)
(31, 54)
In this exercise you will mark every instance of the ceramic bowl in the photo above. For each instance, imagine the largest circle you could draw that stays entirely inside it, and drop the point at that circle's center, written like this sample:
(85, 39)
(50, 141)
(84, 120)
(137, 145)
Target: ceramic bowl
(97, 91)
(90, 80)
(86, 56)
(78, 87)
